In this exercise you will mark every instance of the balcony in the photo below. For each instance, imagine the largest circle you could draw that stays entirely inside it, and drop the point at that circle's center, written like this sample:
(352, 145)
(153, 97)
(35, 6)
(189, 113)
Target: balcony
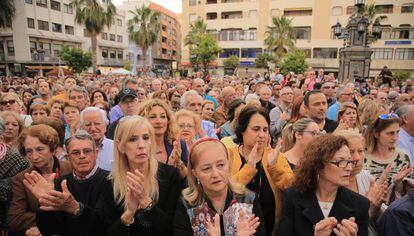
(36, 57)
(211, 2)
(211, 16)
(112, 62)
(230, 1)
(232, 15)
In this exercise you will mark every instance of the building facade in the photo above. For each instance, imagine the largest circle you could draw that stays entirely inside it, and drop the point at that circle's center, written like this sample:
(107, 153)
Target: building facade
(42, 27)
(240, 27)
(166, 50)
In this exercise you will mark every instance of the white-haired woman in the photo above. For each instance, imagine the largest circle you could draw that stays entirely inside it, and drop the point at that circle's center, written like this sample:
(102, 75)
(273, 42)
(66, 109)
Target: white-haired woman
(144, 192)
(212, 204)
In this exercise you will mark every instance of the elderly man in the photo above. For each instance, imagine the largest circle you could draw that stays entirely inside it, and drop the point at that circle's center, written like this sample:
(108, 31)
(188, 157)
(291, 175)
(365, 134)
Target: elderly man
(156, 85)
(281, 113)
(406, 134)
(69, 205)
(199, 86)
(228, 94)
(94, 121)
(80, 96)
(343, 94)
(265, 93)
(192, 101)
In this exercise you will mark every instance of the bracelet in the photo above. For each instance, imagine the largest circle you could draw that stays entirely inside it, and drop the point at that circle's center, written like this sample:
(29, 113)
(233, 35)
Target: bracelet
(127, 223)
(141, 211)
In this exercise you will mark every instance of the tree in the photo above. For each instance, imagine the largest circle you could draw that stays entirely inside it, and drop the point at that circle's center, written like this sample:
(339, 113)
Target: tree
(143, 29)
(94, 17)
(76, 59)
(280, 36)
(262, 61)
(205, 53)
(294, 61)
(401, 75)
(197, 30)
(7, 12)
(371, 12)
(127, 66)
(232, 61)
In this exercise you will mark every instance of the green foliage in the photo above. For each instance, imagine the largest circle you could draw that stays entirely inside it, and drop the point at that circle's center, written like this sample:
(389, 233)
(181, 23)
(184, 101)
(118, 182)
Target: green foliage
(206, 52)
(232, 61)
(7, 12)
(76, 59)
(262, 60)
(401, 75)
(144, 28)
(280, 36)
(197, 30)
(127, 66)
(294, 61)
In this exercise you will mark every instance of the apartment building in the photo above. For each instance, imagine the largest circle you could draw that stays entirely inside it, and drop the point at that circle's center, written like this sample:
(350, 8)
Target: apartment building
(42, 27)
(167, 48)
(240, 27)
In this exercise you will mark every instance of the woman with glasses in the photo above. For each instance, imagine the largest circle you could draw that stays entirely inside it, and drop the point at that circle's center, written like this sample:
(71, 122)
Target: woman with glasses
(213, 204)
(381, 143)
(319, 203)
(296, 137)
(348, 118)
(38, 143)
(170, 148)
(189, 126)
(258, 166)
(144, 192)
(12, 102)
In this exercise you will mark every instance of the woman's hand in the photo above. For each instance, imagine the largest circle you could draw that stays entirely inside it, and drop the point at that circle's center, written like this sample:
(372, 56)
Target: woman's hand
(404, 172)
(325, 226)
(376, 194)
(346, 228)
(37, 184)
(246, 226)
(273, 154)
(175, 156)
(213, 228)
(33, 231)
(137, 195)
(252, 157)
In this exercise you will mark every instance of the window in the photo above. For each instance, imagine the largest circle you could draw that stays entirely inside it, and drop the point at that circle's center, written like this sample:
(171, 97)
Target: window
(32, 46)
(351, 10)
(105, 36)
(384, 9)
(46, 48)
(67, 9)
(250, 52)
(30, 23)
(253, 14)
(104, 53)
(112, 54)
(10, 47)
(401, 33)
(28, 1)
(112, 37)
(55, 5)
(404, 54)
(325, 53)
(337, 11)
(382, 54)
(119, 38)
(113, 21)
(385, 32)
(274, 12)
(229, 51)
(41, 3)
(118, 22)
(407, 8)
(193, 2)
(193, 17)
(303, 32)
(69, 29)
(43, 25)
(86, 33)
(120, 55)
(56, 49)
(211, 16)
(232, 15)
(294, 12)
(56, 27)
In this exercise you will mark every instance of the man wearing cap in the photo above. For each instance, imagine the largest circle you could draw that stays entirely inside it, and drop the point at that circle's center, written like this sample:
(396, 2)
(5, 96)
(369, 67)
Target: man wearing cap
(128, 102)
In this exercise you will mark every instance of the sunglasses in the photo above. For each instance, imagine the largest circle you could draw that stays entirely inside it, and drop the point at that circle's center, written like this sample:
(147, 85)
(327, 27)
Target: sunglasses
(5, 103)
(388, 116)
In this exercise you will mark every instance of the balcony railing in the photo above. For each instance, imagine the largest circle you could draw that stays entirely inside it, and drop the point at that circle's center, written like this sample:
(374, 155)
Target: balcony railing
(113, 61)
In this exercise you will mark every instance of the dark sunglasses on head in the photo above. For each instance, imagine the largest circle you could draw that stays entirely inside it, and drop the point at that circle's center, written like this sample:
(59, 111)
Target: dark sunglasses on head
(5, 103)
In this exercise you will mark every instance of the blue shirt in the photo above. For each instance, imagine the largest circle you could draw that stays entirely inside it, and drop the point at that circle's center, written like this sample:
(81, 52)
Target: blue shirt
(208, 127)
(406, 142)
(115, 113)
(332, 112)
(106, 154)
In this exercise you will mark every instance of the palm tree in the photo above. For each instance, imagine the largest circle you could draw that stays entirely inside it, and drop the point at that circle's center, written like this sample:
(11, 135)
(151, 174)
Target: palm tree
(197, 30)
(144, 28)
(94, 17)
(280, 36)
(7, 12)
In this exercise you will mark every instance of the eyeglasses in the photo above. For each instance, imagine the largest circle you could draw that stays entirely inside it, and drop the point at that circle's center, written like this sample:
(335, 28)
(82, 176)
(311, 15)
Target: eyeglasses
(77, 153)
(5, 103)
(343, 163)
(288, 93)
(388, 116)
(186, 126)
(328, 87)
(313, 132)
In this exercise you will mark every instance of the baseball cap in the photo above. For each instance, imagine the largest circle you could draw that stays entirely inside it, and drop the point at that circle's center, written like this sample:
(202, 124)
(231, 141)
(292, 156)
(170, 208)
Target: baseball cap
(126, 92)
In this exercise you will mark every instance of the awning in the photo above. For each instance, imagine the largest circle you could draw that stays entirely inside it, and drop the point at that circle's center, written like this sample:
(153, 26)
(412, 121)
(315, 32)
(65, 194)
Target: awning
(40, 67)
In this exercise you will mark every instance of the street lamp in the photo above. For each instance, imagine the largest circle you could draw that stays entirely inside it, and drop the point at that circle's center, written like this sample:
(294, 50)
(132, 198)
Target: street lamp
(362, 25)
(360, 3)
(337, 29)
(376, 28)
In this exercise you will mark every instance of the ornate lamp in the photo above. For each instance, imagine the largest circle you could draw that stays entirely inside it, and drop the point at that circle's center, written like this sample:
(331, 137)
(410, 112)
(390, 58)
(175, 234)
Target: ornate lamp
(337, 29)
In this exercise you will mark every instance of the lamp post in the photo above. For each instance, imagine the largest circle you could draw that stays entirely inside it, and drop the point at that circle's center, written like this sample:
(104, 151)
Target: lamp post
(355, 55)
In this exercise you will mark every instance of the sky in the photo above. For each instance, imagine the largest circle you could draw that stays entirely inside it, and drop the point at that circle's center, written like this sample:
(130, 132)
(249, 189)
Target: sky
(172, 5)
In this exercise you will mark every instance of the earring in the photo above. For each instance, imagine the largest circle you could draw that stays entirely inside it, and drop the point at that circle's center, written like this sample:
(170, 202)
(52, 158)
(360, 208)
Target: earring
(198, 181)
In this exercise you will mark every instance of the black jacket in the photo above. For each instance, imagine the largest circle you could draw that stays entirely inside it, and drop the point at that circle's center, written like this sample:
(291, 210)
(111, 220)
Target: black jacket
(301, 211)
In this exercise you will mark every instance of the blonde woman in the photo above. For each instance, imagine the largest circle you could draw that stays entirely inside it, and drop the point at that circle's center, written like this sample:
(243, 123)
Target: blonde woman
(212, 204)
(348, 117)
(13, 127)
(144, 192)
(12, 102)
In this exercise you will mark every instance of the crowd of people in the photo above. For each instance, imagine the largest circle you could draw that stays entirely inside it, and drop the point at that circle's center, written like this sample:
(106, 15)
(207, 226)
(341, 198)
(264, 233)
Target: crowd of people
(294, 154)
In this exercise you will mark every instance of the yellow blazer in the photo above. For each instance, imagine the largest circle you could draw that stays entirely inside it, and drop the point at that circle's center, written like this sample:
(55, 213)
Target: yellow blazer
(279, 175)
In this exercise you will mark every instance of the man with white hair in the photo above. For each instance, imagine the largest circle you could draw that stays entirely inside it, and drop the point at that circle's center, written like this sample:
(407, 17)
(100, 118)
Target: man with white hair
(199, 86)
(94, 121)
(192, 101)
(406, 134)
(343, 94)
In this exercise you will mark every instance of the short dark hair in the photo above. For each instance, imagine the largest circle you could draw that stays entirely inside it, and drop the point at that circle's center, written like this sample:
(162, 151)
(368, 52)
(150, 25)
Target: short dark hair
(306, 98)
(56, 124)
(244, 120)
(232, 107)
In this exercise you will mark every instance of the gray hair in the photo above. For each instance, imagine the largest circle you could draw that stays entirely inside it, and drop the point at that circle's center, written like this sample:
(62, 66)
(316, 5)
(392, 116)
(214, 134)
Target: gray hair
(79, 89)
(2, 126)
(93, 109)
(341, 89)
(80, 135)
(404, 110)
(127, 81)
(183, 99)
